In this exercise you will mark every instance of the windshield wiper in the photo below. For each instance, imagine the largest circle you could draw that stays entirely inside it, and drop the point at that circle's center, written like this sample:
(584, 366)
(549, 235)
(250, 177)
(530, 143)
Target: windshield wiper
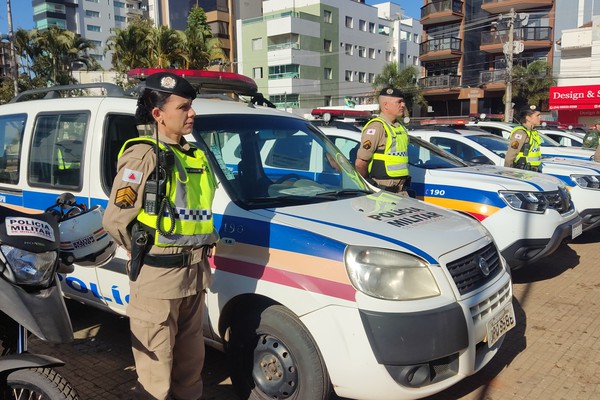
(343, 193)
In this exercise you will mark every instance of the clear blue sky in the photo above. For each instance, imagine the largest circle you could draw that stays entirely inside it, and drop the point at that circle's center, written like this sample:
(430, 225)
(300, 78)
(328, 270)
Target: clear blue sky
(22, 12)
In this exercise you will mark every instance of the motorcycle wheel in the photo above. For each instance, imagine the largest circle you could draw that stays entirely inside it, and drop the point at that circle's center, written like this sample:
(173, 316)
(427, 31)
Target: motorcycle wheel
(40, 384)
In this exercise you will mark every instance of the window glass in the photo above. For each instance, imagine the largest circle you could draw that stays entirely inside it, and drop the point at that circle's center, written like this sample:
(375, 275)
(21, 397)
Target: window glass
(119, 129)
(11, 139)
(56, 153)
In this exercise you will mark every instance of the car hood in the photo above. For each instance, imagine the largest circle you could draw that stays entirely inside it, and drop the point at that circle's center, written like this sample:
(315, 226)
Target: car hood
(567, 152)
(385, 220)
(570, 166)
(492, 177)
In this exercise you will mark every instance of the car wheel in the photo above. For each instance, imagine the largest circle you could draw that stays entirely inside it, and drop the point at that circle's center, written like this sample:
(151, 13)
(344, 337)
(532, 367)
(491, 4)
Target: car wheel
(271, 355)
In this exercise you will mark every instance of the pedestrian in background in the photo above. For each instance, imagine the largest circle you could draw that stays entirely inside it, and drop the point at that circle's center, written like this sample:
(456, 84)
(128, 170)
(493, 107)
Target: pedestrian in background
(524, 148)
(382, 156)
(160, 211)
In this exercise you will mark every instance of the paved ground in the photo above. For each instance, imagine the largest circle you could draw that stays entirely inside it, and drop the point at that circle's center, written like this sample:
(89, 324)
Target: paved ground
(552, 354)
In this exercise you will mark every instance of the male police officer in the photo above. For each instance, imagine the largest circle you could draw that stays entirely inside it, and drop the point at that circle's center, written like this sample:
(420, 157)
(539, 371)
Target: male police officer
(524, 149)
(160, 211)
(382, 157)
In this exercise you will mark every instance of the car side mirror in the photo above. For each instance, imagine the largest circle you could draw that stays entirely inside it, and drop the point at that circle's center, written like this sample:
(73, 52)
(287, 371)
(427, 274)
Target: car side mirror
(481, 160)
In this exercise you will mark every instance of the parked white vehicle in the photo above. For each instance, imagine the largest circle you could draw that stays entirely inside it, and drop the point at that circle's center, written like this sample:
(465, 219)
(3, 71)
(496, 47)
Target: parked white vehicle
(528, 214)
(564, 137)
(313, 271)
(476, 147)
(550, 148)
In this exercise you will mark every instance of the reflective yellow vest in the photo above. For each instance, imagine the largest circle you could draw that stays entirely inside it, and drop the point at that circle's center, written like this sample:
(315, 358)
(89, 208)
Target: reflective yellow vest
(190, 190)
(534, 155)
(393, 161)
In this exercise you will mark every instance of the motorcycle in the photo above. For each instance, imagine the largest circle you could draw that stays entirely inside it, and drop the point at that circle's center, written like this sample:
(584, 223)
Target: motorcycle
(31, 300)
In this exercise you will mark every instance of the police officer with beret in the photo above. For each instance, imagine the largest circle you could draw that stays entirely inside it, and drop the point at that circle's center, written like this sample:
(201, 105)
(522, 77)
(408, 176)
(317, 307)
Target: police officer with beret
(382, 157)
(524, 149)
(160, 211)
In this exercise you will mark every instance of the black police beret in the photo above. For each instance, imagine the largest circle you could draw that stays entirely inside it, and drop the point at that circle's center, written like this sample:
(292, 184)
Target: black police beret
(391, 92)
(170, 83)
(527, 110)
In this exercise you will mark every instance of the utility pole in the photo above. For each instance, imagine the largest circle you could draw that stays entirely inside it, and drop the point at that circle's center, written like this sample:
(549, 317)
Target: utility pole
(508, 51)
(13, 60)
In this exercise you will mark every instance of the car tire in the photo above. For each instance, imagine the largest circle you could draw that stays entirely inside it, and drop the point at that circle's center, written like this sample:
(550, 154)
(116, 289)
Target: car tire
(271, 355)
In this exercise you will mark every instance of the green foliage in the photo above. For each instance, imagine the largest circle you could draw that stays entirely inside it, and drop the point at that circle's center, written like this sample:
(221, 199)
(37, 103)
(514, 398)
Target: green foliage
(531, 84)
(405, 80)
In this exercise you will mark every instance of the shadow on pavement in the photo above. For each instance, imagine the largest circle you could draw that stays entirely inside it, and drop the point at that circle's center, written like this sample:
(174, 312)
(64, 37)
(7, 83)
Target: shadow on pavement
(563, 259)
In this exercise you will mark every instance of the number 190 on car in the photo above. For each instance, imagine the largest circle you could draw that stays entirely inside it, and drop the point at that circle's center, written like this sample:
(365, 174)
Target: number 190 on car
(500, 324)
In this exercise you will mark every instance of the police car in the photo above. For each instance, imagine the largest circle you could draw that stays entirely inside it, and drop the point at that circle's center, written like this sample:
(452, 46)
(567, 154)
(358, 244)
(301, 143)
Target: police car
(549, 146)
(582, 178)
(314, 269)
(528, 214)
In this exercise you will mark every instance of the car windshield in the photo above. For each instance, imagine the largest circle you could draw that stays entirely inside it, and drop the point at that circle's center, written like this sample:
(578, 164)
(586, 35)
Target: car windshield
(547, 141)
(274, 161)
(493, 143)
(423, 154)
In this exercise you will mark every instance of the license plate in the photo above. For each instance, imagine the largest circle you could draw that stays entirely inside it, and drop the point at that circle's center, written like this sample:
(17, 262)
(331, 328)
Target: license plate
(500, 324)
(576, 230)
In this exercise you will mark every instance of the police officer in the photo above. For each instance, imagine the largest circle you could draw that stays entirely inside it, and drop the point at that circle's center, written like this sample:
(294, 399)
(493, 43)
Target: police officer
(160, 211)
(382, 157)
(524, 149)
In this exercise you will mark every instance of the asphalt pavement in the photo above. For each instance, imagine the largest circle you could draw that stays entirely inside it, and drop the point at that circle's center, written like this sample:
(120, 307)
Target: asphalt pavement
(552, 354)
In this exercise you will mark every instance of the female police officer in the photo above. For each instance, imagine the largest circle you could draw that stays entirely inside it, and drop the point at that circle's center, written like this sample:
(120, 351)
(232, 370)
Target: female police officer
(524, 149)
(160, 211)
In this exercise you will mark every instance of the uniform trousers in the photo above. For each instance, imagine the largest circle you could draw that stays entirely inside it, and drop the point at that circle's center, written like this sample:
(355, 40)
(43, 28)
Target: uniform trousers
(168, 346)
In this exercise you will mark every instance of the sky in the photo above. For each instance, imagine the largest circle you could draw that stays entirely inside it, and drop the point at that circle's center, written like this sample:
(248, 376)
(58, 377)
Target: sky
(22, 12)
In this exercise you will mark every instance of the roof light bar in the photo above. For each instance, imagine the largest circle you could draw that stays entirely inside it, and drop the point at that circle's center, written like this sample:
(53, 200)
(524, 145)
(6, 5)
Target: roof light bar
(337, 113)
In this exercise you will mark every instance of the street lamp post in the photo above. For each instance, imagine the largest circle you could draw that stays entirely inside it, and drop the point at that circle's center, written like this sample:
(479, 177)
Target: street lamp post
(13, 60)
(509, 66)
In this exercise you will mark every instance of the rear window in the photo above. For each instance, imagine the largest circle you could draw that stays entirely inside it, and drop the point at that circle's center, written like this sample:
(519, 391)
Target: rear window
(12, 128)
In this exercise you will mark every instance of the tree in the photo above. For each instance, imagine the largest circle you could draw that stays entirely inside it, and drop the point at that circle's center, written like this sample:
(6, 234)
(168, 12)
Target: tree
(405, 80)
(166, 48)
(201, 46)
(130, 46)
(531, 84)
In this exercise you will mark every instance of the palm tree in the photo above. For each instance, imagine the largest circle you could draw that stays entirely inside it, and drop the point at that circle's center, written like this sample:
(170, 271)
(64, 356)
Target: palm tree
(201, 46)
(405, 80)
(130, 46)
(531, 84)
(166, 48)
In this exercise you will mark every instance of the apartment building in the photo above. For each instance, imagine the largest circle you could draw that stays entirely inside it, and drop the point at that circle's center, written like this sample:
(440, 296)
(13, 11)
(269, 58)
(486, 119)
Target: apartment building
(313, 53)
(463, 50)
(94, 20)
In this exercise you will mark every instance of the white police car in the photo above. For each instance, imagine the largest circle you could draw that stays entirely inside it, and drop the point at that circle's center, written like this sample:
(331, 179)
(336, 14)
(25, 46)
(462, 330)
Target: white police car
(582, 178)
(528, 214)
(549, 147)
(313, 271)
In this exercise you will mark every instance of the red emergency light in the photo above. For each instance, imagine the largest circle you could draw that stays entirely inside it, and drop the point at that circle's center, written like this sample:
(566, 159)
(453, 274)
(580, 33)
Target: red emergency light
(337, 113)
(204, 81)
(442, 121)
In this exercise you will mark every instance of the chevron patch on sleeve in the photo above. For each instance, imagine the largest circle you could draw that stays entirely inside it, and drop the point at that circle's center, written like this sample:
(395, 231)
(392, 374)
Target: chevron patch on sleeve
(125, 197)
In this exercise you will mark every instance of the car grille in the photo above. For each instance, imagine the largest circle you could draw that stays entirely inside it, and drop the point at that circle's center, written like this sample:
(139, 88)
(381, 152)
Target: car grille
(489, 306)
(559, 200)
(468, 272)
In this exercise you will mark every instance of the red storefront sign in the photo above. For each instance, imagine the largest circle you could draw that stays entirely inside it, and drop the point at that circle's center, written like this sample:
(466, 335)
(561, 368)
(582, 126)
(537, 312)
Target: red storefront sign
(575, 97)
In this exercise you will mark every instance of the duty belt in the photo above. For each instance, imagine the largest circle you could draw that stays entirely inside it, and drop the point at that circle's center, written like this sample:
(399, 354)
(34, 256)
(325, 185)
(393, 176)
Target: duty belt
(182, 259)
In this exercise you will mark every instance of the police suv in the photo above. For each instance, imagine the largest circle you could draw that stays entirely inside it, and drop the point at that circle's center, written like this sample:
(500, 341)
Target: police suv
(319, 283)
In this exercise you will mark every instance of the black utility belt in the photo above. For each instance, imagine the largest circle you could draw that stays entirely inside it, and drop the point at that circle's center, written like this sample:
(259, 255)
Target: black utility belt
(183, 259)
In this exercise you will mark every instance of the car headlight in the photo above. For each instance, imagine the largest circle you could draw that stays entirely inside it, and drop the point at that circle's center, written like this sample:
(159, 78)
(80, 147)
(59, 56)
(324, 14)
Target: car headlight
(388, 274)
(27, 268)
(526, 201)
(587, 181)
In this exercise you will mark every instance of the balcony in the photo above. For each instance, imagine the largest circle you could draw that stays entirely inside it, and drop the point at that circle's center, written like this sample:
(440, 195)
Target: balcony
(441, 12)
(440, 49)
(532, 38)
(494, 76)
(440, 82)
(502, 6)
(135, 12)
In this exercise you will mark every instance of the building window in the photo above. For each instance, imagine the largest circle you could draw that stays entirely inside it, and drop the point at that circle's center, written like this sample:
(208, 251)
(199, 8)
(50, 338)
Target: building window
(372, 54)
(404, 35)
(327, 16)
(362, 52)
(372, 27)
(327, 46)
(97, 43)
(257, 44)
(257, 72)
(284, 71)
(348, 76)
(362, 77)
(327, 101)
(327, 74)
(384, 30)
(97, 57)
(371, 78)
(119, 4)
(120, 18)
(416, 38)
(349, 22)
(92, 14)
(362, 25)
(349, 50)
(388, 56)
(92, 1)
(93, 28)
